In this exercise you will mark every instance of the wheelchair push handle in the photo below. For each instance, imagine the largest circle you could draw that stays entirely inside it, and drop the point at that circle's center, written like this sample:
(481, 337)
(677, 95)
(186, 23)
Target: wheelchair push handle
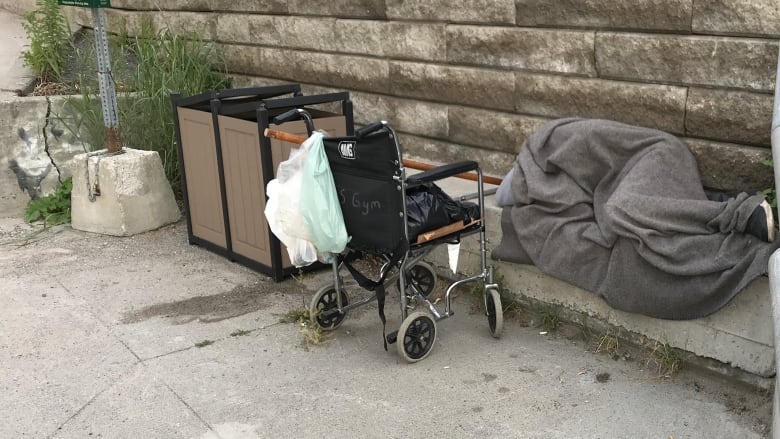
(370, 128)
(294, 114)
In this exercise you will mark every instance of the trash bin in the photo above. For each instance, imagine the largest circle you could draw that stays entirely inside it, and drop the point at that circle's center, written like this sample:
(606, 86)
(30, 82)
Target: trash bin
(226, 164)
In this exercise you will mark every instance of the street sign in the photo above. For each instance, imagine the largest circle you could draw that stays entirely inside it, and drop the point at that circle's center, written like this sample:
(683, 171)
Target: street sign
(86, 3)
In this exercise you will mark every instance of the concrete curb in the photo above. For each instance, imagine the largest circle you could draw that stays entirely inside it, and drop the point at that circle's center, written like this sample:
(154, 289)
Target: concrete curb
(736, 342)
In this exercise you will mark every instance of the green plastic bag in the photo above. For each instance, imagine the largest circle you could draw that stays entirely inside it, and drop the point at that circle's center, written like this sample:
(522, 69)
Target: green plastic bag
(320, 206)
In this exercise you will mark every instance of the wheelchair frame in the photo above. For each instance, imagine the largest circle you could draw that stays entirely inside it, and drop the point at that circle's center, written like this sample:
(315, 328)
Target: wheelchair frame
(416, 279)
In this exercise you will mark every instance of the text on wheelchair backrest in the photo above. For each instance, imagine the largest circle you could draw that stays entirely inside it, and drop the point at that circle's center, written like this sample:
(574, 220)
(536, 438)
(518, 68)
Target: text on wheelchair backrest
(353, 199)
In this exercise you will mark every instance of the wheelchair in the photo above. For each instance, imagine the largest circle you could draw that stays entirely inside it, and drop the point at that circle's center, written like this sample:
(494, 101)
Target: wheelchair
(372, 183)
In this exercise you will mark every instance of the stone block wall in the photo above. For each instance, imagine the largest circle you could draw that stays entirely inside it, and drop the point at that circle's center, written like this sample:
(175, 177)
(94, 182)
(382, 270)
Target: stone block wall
(472, 78)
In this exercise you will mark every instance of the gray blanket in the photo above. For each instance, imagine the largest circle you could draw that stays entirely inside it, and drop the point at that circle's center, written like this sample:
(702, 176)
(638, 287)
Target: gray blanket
(619, 211)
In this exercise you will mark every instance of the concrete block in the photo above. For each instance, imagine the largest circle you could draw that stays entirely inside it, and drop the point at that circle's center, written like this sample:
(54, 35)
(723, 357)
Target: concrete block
(457, 85)
(731, 116)
(339, 8)
(410, 116)
(748, 64)
(453, 11)
(34, 150)
(744, 17)
(729, 167)
(265, 6)
(134, 196)
(280, 31)
(518, 48)
(649, 105)
(418, 41)
(493, 130)
(668, 15)
(352, 72)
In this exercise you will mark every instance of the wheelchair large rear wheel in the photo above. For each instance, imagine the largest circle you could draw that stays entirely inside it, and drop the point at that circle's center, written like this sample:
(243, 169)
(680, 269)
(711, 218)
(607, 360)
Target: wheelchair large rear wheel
(495, 312)
(324, 308)
(416, 336)
(423, 277)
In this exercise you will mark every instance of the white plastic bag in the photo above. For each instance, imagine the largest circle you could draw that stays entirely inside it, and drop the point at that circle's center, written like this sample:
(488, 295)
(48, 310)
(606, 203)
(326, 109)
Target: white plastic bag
(320, 205)
(283, 209)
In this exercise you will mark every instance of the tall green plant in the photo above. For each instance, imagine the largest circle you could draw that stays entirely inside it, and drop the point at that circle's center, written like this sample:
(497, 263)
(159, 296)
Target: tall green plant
(50, 40)
(167, 62)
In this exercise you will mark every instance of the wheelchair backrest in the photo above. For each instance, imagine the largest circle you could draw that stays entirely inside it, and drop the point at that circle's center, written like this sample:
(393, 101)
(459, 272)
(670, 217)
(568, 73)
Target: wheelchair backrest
(367, 174)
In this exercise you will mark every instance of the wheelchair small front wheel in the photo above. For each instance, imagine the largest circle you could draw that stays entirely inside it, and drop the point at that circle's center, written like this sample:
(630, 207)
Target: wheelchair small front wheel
(423, 277)
(324, 308)
(416, 336)
(495, 312)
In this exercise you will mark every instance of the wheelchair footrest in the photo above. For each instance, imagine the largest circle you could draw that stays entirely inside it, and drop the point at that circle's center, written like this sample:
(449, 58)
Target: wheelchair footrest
(392, 337)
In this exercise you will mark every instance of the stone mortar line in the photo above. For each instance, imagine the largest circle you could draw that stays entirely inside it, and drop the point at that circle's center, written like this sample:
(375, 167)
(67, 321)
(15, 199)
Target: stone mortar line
(46, 139)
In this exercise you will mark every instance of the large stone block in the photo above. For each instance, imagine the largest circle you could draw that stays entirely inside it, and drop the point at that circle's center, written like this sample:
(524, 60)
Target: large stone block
(410, 116)
(365, 37)
(731, 167)
(656, 15)
(713, 61)
(744, 17)
(650, 105)
(265, 6)
(339, 71)
(493, 130)
(458, 85)
(527, 49)
(731, 116)
(420, 41)
(495, 163)
(134, 194)
(339, 8)
(277, 31)
(453, 11)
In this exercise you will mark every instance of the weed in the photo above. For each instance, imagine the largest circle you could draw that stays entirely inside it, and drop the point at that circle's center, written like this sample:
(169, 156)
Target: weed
(312, 334)
(295, 316)
(204, 343)
(665, 358)
(165, 62)
(239, 333)
(609, 344)
(50, 40)
(52, 209)
(550, 317)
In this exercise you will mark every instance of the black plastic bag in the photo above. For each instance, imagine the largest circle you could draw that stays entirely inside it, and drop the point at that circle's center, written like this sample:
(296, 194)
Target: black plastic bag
(428, 207)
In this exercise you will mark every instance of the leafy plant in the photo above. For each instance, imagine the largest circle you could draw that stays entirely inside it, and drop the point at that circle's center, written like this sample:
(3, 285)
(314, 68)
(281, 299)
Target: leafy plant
(50, 40)
(665, 358)
(311, 332)
(204, 343)
(52, 209)
(166, 62)
(550, 316)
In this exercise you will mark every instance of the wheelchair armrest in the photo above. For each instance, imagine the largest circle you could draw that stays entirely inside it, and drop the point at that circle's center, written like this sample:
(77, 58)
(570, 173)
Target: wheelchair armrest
(443, 171)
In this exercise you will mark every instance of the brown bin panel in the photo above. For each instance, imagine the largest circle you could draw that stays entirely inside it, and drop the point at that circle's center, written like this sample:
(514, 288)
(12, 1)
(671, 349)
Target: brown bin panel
(244, 188)
(333, 126)
(199, 153)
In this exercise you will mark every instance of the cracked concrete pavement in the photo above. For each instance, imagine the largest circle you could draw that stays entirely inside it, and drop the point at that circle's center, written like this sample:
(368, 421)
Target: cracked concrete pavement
(100, 337)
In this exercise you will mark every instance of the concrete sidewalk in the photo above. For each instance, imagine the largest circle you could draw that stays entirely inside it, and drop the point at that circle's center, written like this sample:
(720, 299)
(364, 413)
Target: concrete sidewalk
(14, 76)
(99, 338)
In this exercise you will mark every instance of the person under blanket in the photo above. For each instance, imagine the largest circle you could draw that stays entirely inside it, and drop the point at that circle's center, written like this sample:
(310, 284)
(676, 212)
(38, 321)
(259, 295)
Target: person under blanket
(619, 210)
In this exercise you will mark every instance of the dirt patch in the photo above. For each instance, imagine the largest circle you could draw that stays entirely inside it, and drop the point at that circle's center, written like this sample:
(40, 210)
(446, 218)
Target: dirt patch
(243, 299)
